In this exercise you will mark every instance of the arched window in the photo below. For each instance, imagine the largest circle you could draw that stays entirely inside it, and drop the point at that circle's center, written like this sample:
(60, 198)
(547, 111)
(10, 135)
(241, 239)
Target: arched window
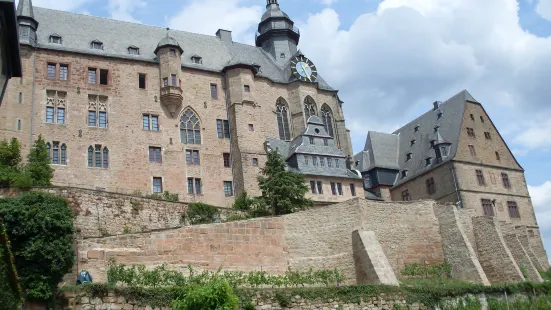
(63, 154)
(190, 128)
(327, 117)
(309, 107)
(49, 148)
(283, 120)
(98, 156)
(105, 157)
(90, 156)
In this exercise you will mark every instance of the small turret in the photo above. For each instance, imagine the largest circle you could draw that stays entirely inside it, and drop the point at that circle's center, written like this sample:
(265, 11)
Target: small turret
(169, 54)
(27, 24)
(277, 34)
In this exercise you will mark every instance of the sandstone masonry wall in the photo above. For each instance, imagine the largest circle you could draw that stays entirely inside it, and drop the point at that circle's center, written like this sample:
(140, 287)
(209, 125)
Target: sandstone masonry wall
(519, 254)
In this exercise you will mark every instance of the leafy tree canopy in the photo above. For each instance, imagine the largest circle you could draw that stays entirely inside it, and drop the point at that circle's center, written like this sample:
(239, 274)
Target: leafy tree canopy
(40, 229)
(283, 191)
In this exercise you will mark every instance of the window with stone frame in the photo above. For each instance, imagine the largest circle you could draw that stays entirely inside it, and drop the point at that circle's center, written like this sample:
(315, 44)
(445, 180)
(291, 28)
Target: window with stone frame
(194, 186)
(309, 107)
(227, 160)
(255, 162)
(98, 156)
(223, 128)
(337, 163)
(56, 104)
(97, 111)
(333, 188)
(103, 76)
(482, 118)
(505, 179)
(141, 80)
(480, 177)
(57, 153)
(190, 127)
(282, 114)
(431, 187)
(92, 75)
(157, 185)
(513, 209)
(133, 50)
(406, 196)
(246, 88)
(327, 118)
(487, 135)
(63, 72)
(155, 154)
(51, 71)
(353, 190)
(228, 188)
(213, 91)
(329, 162)
(97, 45)
(320, 187)
(497, 156)
(192, 157)
(55, 39)
(487, 207)
(322, 161)
(472, 150)
(470, 132)
(313, 187)
(150, 122)
(314, 161)
(172, 52)
(197, 60)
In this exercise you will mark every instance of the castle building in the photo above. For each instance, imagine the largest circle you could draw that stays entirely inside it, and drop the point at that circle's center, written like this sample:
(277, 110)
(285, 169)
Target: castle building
(128, 107)
(451, 154)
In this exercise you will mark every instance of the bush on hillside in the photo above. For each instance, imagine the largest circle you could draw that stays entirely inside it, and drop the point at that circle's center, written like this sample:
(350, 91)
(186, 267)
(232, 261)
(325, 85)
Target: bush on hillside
(201, 213)
(10, 289)
(37, 171)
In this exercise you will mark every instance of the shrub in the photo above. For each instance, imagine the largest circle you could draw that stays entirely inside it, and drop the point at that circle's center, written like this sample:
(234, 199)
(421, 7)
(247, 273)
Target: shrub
(170, 197)
(40, 228)
(546, 275)
(201, 213)
(10, 160)
(38, 165)
(10, 289)
(217, 294)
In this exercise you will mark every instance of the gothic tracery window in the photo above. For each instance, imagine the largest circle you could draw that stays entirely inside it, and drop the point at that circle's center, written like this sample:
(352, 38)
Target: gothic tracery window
(327, 118)
(309, 107)
(190, 128)
(283, 120)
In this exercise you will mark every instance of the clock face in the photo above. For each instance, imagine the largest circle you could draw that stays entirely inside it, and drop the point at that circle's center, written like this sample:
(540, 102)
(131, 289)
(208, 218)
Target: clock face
(303, 69)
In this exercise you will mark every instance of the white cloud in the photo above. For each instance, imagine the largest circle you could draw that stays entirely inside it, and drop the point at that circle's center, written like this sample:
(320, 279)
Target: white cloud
(544, 9)
(207, 16)
(123, 9)
(64, 5)
(327, 2)
(390, 65)
(541, 198)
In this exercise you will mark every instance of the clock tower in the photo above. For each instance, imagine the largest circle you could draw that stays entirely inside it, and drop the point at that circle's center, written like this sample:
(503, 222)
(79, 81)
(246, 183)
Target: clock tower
(277, 34)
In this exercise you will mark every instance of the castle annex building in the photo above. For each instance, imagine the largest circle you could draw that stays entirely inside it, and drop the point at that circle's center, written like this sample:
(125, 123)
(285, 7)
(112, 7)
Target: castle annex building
(452, 154)
(128, 107)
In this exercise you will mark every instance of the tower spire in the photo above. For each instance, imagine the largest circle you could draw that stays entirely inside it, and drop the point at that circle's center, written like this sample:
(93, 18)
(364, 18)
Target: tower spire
(270, 2)
(25, 9)
(27, 23)
(276, 26)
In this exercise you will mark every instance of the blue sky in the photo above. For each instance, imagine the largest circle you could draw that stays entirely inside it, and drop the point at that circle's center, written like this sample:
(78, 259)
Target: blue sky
(391, 59)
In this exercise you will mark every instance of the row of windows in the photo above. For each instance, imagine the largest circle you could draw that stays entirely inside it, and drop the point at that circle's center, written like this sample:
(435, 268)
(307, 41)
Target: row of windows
(336, 188)
(489, 205)
(282, 114)
(322, 161)
(60, 71)
(194, 186)
(482, 181)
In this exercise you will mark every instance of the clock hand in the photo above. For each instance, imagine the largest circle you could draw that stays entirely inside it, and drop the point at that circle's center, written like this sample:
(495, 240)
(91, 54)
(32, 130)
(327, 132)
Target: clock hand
(306, 72)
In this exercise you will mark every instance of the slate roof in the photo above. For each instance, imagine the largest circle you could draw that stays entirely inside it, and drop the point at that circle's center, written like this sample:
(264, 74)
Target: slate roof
(78, 31)
(442, 124)
(25, 8)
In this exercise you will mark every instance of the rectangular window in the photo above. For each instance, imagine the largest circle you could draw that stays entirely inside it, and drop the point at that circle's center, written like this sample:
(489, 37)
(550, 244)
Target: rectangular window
(92, 118)
(472, 150)
(339, 188)
(172, 52)
(353, 190)
(195, 157)
(320, 187)
(311, 140)
(49, 115)
(487, 135)
(188, 157)
(192, 157)
(472, 117)
(337, 163)
(251, 127)
(322, 161)
(165, 81)
(213, 91)
(470, 132)
(174, 80)
(315, 161)
(141, 81)
(505, 179)
(227, 161)
(497, 156)
(487, 207)
(306, 160)
(51, 71)
(329, 162)
(157, 185)
(223, 128)
(431, 188)
(405, 196)
(98, 156)
(63, 72)
(228, 188)
(480, 177)
(255, 162)
(55, 153)
(20, 97)
(198, 189)
(103, 74)
(103, 119)
(154, 123)
(325, 142)
(333, 188)
(313, 187)
(92, 76)
(247, 88)
(481, 118)
(145, 122)
(190, 186)
(513, 209)
(61, 115)
(155, 154)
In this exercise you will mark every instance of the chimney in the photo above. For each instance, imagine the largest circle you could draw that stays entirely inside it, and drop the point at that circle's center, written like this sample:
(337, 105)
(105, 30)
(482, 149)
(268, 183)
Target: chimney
(224, 35)
(436, 104)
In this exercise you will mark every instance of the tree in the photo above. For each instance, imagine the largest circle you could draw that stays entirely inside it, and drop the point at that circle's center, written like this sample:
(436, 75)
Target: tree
(40, 229)
(10, 289)
(38, 167)
(283, 191)
(10, 161)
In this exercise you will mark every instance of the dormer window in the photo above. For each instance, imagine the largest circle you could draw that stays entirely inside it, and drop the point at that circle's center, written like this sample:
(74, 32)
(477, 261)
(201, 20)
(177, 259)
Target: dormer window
(436, 128)
(444, 150)
(133, 50)
(172, 52)
(55, 39)
(198, 60)
(440, 113)
(416, 128)
(408, 156)
(412, 142)
(97, 45)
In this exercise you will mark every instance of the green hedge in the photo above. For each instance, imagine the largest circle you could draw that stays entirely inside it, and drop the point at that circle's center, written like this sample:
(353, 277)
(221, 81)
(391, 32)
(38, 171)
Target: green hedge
(429, 295)
(10, 289)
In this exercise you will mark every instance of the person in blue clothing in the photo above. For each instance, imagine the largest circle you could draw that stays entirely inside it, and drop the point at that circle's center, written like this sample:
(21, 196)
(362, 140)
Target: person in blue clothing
(84, 277)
